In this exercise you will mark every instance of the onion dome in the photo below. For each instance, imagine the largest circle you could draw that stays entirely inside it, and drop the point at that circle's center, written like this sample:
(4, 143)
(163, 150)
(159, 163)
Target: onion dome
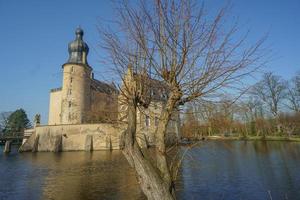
(78, 49)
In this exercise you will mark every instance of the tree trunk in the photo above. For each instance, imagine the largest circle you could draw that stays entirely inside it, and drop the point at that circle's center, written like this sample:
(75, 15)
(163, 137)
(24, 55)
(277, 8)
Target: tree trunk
(151, 182)
(161, 130)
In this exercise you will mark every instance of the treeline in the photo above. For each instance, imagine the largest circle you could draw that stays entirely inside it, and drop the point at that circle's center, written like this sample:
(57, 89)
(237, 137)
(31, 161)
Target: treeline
(14, 122)
(271, 107)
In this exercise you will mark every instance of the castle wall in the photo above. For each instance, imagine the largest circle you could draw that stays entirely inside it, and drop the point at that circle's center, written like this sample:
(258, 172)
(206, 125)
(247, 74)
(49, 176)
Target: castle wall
(54, 107)
(87, 137)
(104, 107)
(81, 137)
(148, 120)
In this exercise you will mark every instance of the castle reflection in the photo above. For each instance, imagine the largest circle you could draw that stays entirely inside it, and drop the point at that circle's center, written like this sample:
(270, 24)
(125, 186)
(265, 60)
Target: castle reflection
(85, 175)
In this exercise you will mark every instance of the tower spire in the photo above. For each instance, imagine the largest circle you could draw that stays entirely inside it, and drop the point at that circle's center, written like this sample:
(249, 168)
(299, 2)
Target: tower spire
(78, 49)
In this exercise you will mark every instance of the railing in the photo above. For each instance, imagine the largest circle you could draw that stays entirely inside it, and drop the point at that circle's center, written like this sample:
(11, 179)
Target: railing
(55, 89)
(15, 135)
(28, 132)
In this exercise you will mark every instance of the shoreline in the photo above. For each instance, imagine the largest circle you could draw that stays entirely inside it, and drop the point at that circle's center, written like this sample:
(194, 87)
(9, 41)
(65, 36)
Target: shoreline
(255, 138)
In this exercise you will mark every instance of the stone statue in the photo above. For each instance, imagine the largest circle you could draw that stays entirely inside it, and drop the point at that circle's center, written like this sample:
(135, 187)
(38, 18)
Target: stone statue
(37, 119)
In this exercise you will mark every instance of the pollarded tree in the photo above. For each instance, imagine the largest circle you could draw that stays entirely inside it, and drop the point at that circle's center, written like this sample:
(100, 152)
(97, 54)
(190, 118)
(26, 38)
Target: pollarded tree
(193, 56)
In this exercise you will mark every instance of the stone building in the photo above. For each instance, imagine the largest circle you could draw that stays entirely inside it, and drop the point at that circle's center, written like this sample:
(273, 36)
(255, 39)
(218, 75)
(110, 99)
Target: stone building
(81, 99)
(85, 113)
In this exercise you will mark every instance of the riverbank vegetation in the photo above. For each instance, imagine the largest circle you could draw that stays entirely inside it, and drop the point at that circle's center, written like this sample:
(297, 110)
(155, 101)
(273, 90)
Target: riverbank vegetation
(269, 110)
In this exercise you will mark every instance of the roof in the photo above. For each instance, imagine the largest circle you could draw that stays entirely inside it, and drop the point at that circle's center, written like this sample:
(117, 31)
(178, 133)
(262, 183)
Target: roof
(78, 49)
(104, 87)
(158, 89)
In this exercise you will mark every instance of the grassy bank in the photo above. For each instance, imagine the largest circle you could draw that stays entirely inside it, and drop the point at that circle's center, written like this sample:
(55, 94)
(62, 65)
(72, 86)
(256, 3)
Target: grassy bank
(266, 138)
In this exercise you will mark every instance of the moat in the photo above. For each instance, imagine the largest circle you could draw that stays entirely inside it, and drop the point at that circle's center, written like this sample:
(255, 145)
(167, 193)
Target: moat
(211, 170)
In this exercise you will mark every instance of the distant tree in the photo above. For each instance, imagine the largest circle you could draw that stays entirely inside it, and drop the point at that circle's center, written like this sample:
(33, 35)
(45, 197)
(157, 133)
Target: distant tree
(17, 122)
(254, 107)
(191, 123)
(290, 123)
(271, 90)
(293, 96)
(3, 120)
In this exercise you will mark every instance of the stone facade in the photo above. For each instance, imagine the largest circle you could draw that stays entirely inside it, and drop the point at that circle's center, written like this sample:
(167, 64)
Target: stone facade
(82, 99)
(75, 137)
(87, 114)
(55, 107)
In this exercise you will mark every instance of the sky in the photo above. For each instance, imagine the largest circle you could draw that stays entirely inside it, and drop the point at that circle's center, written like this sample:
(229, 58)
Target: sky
(34, 35)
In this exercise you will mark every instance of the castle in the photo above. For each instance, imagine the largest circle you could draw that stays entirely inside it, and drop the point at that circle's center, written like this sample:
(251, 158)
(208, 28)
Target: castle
(86, 114)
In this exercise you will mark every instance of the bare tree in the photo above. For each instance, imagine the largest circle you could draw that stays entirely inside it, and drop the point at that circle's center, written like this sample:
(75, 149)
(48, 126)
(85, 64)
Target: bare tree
(4, 120)
(194, 56)
(190, 122)
(293, 96)
(271, 90)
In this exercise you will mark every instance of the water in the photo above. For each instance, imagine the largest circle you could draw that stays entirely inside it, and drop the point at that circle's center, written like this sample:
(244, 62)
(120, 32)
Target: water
(211, 170)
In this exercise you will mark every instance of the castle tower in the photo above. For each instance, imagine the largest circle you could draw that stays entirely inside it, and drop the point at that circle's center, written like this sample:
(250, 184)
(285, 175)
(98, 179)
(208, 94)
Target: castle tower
(76, 93)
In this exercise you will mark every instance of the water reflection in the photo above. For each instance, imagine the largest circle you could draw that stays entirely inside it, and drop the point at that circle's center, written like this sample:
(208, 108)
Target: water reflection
(71, 175)
(241, 170)
(213, 170)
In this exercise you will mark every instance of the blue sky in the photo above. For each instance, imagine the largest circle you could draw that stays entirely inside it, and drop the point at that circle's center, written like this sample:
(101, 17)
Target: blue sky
(34, 37)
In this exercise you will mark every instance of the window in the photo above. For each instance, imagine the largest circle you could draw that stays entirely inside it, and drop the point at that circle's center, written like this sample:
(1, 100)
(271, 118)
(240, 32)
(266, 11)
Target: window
(153, 93)
(71, 80)
(147, 121)
(70, 92)
(156, 121)
(72, 69)
(171, 123)
(70, 104)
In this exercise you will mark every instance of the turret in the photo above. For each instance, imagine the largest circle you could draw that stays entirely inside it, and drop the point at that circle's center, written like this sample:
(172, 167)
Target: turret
(76, 82)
